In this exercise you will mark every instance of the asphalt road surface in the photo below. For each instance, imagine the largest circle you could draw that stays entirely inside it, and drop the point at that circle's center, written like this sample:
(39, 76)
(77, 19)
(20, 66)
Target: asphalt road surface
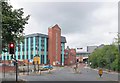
(68, 74)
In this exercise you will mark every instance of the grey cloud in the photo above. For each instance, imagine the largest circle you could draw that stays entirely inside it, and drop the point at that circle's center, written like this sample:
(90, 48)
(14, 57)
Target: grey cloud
(72, 17)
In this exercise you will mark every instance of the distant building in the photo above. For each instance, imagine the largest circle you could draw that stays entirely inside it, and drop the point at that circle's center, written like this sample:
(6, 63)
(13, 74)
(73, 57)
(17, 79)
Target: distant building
(70, 56)
(82, 56)
(90, 49)
(101, 46)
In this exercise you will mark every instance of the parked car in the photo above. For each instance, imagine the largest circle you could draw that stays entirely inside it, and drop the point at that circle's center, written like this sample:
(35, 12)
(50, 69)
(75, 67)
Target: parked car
(46, 67)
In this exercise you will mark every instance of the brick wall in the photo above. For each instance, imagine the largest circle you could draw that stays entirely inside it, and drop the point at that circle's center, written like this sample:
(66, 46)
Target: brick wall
(54, 44)
(70, 58)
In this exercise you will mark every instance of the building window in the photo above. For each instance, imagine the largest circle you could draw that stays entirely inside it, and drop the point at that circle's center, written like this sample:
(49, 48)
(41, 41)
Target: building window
(31, 41)
(31, 48)
(18, 56)
(23, 57)
(42, 59)
(31, 51)
(23, 48)
(37, 43)
(27, 44)
(32, 56)
(18, 47)
(26, 56)
(42, 49)
(42, 40)
(42, 45)
(47, 59)
(7, 57)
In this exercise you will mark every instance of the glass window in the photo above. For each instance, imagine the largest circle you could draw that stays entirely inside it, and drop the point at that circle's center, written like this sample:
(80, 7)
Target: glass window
(42, 40)
(31, 48)
(37, 39)
(31, 51)
(23, 48)
(27, 56)
(42, 59)
(18, 56)
(42, 49)
(27, 44)
(7, 57)
(42, 45)
(23, 57)
(31, 56)
(18, 47)
(31, 40)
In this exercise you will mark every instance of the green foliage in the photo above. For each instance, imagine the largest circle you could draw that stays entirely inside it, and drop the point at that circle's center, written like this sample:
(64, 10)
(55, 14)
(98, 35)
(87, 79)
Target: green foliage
(106, 57)
(13, 24)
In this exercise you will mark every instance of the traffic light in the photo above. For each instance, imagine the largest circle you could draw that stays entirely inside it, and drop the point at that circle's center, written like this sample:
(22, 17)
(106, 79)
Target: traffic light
(11, 48)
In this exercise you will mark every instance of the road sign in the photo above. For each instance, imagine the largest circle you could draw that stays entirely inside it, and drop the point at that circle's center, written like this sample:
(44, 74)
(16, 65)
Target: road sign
(30, 60)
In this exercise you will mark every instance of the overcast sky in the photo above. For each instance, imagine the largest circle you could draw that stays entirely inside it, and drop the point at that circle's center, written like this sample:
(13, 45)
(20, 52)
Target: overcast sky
(82, 23)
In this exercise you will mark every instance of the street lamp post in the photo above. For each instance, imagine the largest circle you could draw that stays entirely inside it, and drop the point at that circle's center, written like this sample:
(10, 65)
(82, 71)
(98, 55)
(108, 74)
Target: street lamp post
(118, 43)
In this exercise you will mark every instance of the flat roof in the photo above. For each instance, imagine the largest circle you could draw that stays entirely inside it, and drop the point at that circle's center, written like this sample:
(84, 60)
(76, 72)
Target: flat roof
(63, 39)
(36, 34)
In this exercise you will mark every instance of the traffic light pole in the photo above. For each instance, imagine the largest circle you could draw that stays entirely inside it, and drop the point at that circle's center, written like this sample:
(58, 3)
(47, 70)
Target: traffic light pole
(16, 62)
(16, 70)
(12, 51)
(4, 66)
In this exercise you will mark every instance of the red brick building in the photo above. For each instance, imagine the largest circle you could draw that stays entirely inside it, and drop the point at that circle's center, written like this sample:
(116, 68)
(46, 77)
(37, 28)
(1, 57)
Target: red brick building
(54, 45)
(70, 56)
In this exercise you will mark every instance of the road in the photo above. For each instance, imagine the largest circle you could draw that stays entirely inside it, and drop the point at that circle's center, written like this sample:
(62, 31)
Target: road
(67, 74)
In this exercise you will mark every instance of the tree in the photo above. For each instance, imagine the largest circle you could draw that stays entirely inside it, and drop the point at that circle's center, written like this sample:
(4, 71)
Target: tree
(106, 57)
(13, 24)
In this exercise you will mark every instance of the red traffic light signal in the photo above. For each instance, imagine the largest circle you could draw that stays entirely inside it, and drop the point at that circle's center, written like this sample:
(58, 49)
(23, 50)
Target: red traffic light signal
(11, 48)
(11, 45)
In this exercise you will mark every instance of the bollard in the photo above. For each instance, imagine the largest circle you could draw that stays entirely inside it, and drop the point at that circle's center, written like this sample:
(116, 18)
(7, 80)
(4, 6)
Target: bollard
(49, 71)
(40, 71)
